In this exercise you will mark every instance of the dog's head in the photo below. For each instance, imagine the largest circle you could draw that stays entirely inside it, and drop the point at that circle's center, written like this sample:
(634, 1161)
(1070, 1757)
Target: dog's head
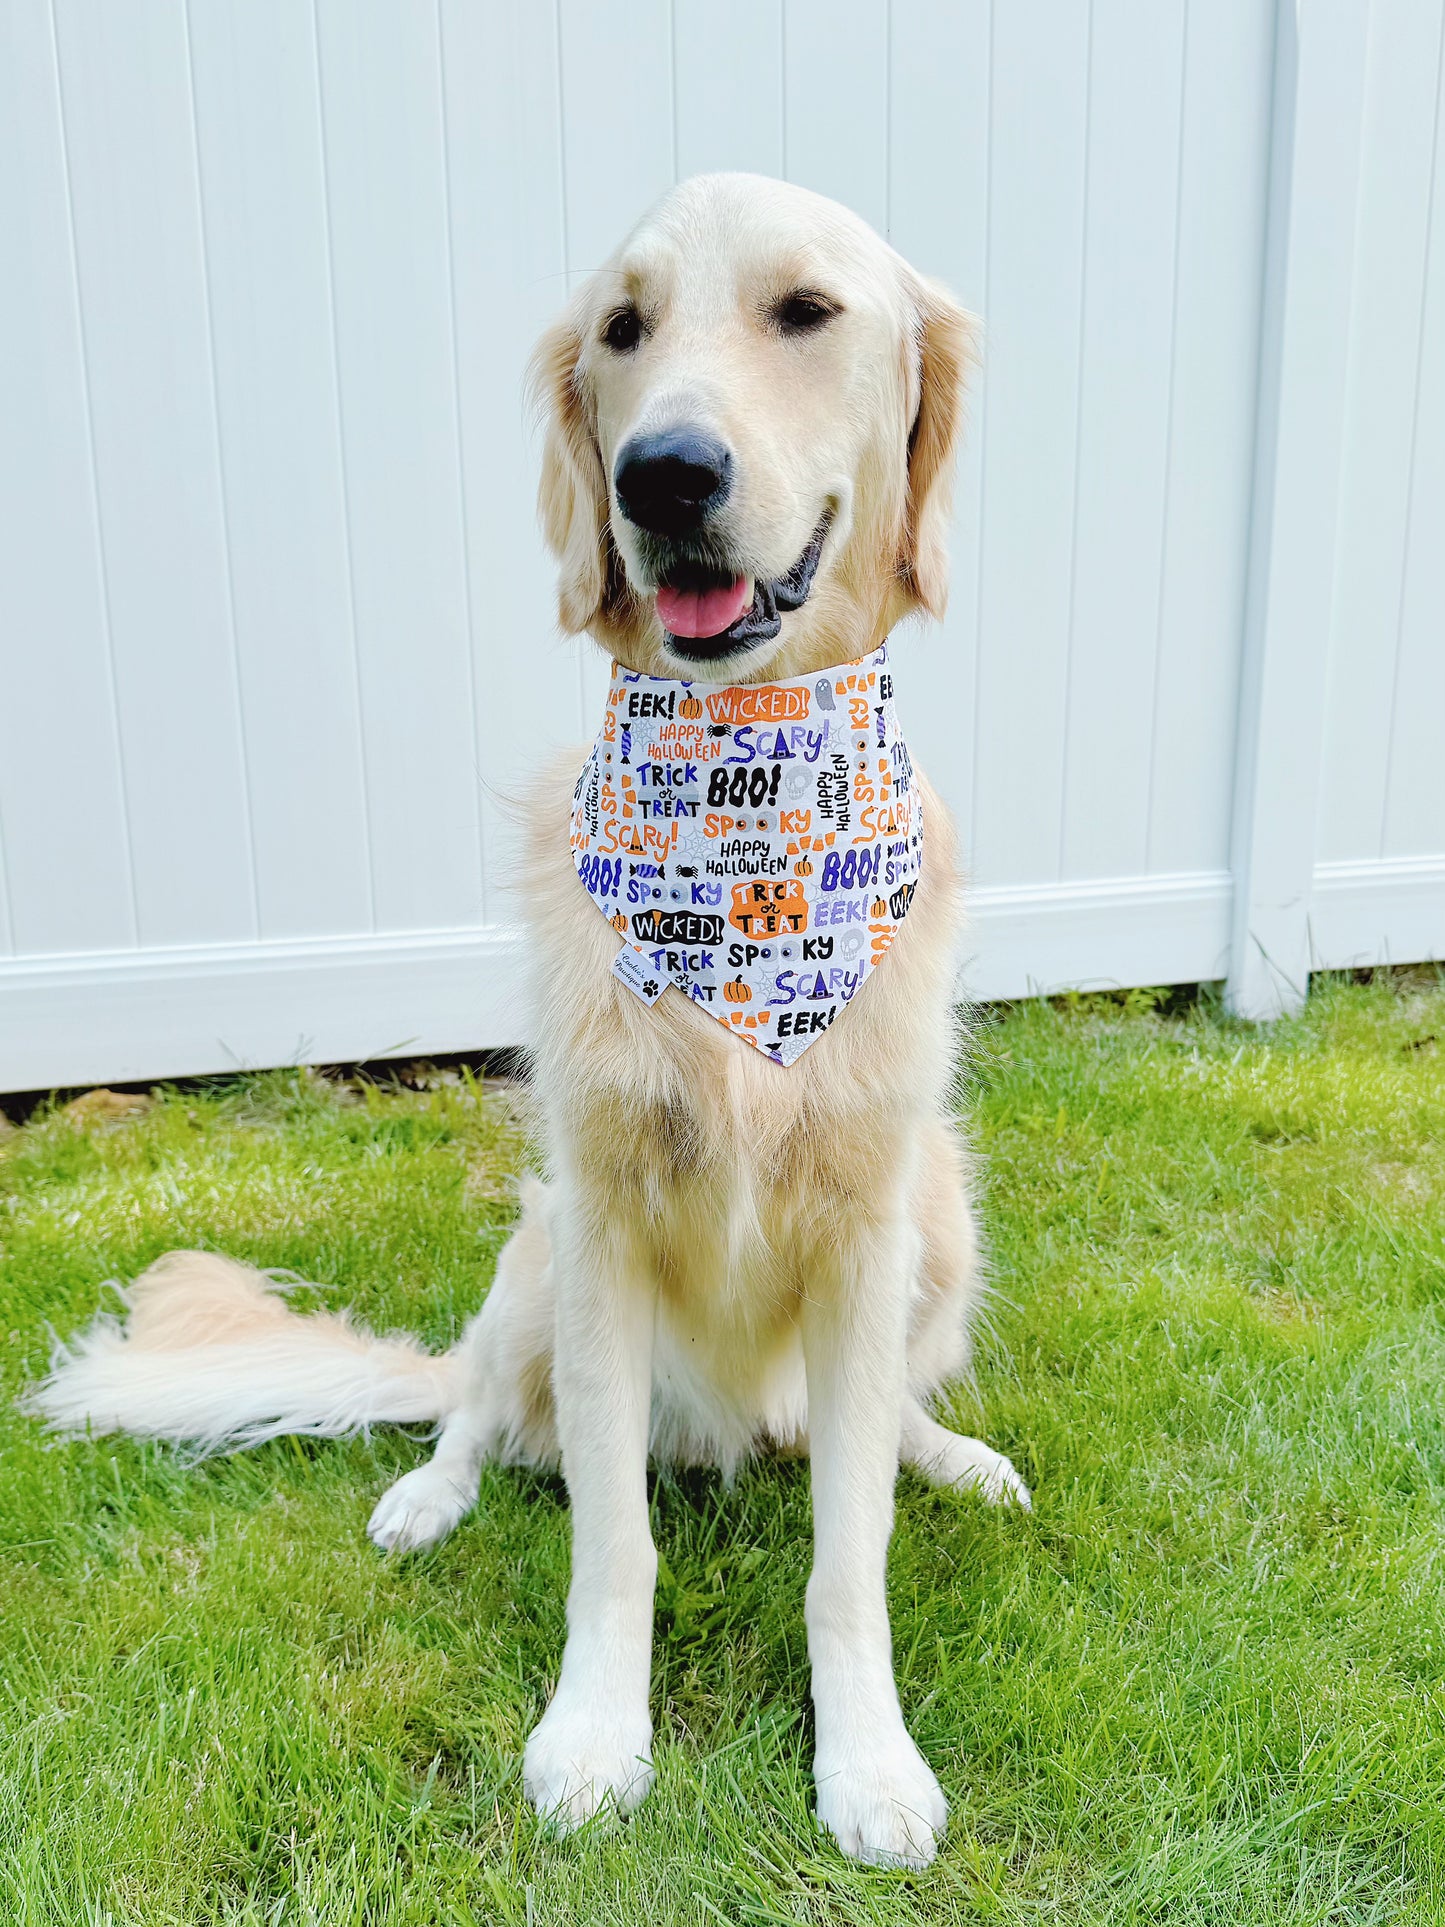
(752, 413)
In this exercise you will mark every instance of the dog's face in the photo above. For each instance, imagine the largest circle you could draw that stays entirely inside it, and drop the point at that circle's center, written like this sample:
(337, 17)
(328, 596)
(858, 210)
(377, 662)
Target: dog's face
(752, 417)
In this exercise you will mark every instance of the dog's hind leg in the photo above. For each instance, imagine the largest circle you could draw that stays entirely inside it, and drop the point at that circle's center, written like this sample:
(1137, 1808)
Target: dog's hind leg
(505, 1409)
(949, 1284)
(948, 1290)
(948, 1458)
(425, 1505)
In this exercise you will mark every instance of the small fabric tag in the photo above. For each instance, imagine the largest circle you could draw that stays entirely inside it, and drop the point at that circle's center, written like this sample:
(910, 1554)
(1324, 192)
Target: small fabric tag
(632, 968)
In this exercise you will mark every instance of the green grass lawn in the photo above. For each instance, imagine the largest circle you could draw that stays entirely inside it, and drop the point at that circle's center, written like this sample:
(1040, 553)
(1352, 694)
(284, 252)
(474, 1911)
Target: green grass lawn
(1203, 1682)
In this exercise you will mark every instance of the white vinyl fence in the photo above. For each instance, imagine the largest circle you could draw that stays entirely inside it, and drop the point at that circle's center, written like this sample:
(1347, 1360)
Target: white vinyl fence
(275, 626)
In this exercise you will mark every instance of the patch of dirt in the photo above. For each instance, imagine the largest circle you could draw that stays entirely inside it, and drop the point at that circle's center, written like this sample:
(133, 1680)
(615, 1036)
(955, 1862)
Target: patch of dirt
(107, 1108)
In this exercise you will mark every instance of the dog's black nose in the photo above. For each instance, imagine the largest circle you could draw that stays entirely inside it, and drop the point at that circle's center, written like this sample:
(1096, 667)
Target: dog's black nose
(668, 483)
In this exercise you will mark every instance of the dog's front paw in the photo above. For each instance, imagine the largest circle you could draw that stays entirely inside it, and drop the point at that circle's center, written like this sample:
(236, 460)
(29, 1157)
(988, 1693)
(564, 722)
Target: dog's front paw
(882, 1803)
(419, 1510)
(580, 1758)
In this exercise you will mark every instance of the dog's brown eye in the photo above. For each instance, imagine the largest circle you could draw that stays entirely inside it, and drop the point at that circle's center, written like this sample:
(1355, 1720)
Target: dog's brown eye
(623, 330)
(800, 313)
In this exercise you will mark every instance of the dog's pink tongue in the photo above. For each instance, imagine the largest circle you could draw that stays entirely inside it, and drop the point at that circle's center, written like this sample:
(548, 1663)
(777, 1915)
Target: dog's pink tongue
(703, 612)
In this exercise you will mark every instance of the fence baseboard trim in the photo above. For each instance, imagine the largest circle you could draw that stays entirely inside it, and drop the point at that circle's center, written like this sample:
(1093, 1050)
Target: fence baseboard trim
(1032, 940)
(121, 1016)
(126, 1015)
(1389, 910)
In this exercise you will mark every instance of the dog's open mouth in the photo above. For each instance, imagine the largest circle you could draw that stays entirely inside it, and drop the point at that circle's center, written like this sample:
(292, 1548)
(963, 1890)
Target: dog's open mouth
(708, 614)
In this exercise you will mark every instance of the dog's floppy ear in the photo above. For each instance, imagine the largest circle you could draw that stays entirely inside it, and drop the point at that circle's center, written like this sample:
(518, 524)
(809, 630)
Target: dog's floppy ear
(572, 494)
(945, 341)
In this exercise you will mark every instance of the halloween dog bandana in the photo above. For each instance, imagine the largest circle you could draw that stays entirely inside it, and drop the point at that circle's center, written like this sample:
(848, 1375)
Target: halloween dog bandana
(757, 845)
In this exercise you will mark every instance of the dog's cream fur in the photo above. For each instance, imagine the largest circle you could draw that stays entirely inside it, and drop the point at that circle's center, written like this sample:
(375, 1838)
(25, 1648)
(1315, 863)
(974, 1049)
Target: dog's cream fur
(727, 1254)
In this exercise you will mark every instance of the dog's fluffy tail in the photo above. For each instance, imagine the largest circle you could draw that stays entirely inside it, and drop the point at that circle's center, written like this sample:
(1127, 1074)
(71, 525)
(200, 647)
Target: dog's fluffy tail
(212, 1356)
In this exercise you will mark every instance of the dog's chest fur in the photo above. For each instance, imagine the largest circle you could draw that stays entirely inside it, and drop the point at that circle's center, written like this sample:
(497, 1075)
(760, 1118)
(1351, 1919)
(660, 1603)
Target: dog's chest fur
(732, 1177)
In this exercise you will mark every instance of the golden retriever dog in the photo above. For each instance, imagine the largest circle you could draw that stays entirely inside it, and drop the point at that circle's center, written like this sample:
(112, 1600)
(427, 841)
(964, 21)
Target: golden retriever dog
(752, 414)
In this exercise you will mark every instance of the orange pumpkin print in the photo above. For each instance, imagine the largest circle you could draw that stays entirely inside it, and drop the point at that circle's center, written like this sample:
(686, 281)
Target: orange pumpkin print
(690, 707)
(737, 992)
